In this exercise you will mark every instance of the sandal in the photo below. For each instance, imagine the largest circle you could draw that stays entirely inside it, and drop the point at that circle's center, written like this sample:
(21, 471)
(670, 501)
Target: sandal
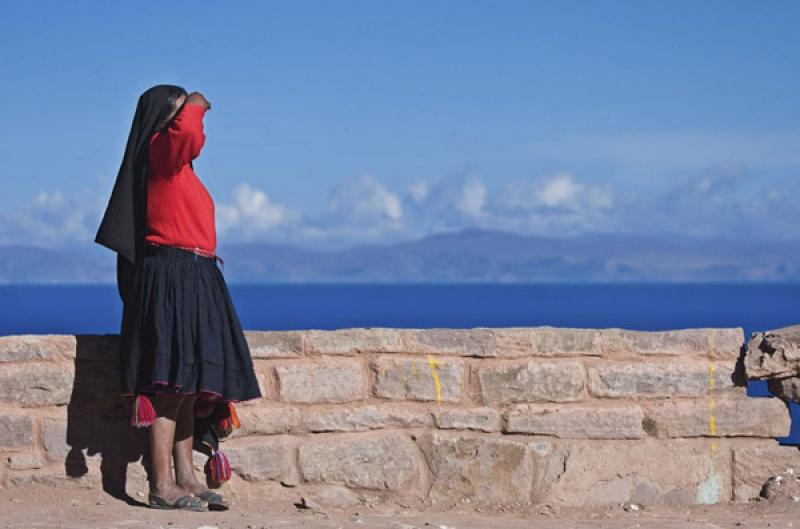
(216, 502)
(187, 502)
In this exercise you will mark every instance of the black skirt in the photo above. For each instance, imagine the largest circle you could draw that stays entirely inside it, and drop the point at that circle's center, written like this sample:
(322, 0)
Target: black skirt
(190, 340)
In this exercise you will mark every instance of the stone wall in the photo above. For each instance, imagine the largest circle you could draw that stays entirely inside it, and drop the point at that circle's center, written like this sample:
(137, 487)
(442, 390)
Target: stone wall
(494, 416)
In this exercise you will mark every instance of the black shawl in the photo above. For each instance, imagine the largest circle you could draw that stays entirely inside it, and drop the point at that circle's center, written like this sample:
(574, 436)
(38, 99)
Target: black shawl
(125, 219)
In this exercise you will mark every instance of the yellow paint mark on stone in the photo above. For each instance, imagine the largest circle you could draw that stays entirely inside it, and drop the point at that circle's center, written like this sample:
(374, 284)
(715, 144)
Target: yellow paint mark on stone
(436, 381)
(712, 419)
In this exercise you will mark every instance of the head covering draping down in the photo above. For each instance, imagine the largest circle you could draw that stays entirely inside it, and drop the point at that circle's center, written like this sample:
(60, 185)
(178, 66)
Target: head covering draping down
(123, 226)
(125, 219)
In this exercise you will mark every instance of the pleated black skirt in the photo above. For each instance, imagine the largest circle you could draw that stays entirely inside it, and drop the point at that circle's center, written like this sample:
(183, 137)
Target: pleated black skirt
(190, 336)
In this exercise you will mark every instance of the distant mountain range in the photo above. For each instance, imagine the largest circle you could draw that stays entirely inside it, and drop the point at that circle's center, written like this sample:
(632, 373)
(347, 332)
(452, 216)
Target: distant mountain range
(470, 255)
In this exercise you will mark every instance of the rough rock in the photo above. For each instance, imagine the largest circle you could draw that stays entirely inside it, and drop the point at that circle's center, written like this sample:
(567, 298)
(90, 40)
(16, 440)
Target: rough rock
(773, 354)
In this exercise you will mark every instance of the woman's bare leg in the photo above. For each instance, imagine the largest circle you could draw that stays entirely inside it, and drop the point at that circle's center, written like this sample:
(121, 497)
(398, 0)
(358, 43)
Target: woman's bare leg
(184, 436)
(162, 434)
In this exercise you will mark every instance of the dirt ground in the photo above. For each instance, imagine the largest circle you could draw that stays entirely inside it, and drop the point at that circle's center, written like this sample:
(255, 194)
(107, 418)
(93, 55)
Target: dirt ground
(38, 506)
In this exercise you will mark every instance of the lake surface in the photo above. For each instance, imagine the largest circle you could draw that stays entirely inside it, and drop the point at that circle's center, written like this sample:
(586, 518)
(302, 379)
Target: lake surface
(75, 309)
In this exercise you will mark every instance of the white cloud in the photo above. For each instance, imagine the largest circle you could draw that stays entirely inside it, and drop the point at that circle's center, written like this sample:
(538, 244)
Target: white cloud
(418, 191)
(251, 213)
(365, 198)
(471, 198)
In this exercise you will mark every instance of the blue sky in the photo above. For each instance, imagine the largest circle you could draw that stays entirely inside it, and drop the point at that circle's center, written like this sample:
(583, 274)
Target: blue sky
(336, 123)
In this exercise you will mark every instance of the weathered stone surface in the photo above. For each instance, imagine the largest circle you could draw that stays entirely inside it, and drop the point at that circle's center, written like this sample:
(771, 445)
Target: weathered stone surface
(509, 342)
(362, 418)
(385, 461)
(487, 469)
(583, 422)
(334, 496)
(483, 419)
(733, 415)
(275, 344)
(754, 463)
(15, 431)
(36, 383)
(342, 380)
(647, 472)
(773, 354)
(270, 420)
(531, 382)
(691, 379)
(263, 458)
(25, 461)
(24, 347)
(785, 388)
(715, 343)
(54, 437)
(355, 341)
(418, 379)
(506, 342)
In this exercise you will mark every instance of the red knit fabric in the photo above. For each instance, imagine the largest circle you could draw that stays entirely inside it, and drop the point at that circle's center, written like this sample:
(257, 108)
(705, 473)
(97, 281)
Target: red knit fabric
(180, 210)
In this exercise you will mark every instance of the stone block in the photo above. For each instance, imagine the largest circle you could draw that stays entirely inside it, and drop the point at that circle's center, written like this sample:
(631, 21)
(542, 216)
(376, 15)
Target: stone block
(15, 431)
(532, 381)
(646, 472)
(54, 437)
(657, 379)
(355, 341)
(36, 383)
(755, 462)
(481, 419)
(26, 347)
(578, 421)
(429, 379)
(714, 343)
(382, 462)
(732, 415)
(342, 380)
(488, 470)
(270, 420)
(25, 461)
(363, 418)
(275, 344)
(262, 458)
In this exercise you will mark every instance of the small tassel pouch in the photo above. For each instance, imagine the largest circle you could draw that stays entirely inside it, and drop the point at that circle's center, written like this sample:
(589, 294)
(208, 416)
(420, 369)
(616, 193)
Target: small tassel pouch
(217, 470)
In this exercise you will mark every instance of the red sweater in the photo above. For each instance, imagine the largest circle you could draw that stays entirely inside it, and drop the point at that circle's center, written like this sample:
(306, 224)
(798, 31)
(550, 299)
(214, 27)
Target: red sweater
(180, 211)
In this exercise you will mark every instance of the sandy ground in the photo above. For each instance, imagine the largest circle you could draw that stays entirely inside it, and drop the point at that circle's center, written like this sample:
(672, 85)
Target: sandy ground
(38, 506)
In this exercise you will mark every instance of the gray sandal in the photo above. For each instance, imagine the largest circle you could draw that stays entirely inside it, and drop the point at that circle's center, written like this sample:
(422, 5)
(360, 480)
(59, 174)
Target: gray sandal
(187, 502)
(216, 502)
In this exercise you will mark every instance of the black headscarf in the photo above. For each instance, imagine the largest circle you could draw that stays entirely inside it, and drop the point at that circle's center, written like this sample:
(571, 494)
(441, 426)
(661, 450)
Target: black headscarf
(123, 226)
(125, 219)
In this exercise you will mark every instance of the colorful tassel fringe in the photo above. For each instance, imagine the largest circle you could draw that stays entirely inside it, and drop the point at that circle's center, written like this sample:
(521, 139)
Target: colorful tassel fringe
(142, 413)
(218, 470)
(227, 424)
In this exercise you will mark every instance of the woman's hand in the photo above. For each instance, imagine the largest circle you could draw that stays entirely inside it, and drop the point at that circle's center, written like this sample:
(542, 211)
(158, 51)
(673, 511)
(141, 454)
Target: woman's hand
(198, 99)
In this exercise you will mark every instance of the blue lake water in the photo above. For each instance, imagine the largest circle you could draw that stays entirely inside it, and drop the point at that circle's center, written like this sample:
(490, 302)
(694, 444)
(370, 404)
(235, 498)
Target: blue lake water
(96, 309)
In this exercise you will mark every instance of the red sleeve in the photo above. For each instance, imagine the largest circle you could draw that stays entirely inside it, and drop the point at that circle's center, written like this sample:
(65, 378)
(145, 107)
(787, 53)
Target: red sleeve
(180, 142)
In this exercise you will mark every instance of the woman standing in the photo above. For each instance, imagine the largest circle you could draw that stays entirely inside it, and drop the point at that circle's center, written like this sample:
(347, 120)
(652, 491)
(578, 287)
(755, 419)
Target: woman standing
(182, 348)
